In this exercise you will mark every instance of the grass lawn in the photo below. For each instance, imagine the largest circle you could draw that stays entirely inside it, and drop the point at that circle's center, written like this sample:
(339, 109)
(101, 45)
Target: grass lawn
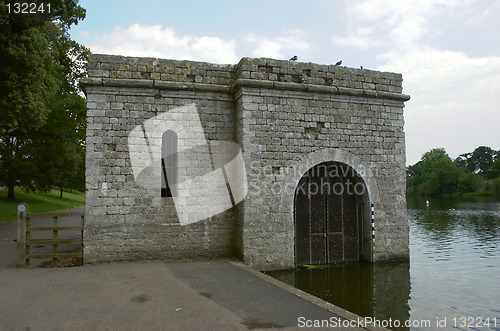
(38, 202)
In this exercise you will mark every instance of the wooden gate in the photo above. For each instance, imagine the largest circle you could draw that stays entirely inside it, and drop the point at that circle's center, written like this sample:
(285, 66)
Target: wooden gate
(49, 236)
(328, 216)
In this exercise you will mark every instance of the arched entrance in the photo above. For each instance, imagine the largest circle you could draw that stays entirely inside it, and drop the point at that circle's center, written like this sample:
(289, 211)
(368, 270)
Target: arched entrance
(331, 216)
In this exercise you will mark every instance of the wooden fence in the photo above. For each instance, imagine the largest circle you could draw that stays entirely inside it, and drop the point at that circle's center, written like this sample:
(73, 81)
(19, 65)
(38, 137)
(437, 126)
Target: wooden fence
(25, 229)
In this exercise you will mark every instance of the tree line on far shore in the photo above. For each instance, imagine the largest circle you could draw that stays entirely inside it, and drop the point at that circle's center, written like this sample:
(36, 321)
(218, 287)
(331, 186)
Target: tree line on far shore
(437, 174)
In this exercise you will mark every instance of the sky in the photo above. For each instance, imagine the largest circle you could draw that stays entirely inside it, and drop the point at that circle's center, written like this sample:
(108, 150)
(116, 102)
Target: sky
(447, 50)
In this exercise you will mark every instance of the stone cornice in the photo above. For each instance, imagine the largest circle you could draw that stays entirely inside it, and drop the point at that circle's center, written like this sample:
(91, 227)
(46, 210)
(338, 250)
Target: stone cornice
(318, 89)
(239, 83)
(154, 84)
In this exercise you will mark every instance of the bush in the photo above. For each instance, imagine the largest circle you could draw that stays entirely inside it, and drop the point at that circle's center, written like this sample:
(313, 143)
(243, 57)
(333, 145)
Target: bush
(468, 183)
(494, 187)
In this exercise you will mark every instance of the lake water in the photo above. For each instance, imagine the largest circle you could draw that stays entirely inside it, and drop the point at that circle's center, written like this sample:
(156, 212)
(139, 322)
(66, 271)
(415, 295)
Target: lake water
(452, 280)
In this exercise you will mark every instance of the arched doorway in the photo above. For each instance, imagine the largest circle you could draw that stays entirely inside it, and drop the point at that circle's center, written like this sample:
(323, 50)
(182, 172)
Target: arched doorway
(331, 216)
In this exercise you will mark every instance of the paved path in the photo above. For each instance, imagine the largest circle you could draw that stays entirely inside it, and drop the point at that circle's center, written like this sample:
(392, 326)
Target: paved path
(215, 295)
(249, 294)
(209, 295)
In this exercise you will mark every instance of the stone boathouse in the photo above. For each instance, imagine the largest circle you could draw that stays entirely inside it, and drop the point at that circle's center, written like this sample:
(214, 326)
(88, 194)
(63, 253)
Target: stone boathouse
(278, 163)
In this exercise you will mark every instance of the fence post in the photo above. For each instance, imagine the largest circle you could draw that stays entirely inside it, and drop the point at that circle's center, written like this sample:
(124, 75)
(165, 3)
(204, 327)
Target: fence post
(55, 224)
(82, 224)
(22, 210)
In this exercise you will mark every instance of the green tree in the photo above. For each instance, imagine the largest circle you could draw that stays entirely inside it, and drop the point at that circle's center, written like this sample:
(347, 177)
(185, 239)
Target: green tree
(59, 146)
(65, 11)
(27, 83)
(414, 177)
(434, 174)
(494, 187)
(461, 160)
(37, 68)
(479, 161)
(469, 182)
(495, 169)
(60, 149)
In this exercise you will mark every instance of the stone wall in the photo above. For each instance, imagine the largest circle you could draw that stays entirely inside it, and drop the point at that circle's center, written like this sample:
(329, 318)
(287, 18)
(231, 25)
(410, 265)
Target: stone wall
(286, 116)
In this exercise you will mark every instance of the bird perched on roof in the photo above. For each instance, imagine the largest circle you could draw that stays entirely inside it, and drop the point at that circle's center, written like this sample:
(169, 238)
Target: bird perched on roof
(329, 82)
(301, 79)
(294, 58)
(338, 63)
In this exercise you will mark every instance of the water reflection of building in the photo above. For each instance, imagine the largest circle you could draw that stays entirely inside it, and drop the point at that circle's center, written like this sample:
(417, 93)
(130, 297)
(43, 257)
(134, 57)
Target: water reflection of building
(379, 290)
(391, 283)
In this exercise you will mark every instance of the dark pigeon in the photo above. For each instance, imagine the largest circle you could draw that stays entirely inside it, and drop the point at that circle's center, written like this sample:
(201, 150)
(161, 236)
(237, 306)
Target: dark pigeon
(329, 82)
(281, 78)
(338, 63)
(301, 79)
(294, 58)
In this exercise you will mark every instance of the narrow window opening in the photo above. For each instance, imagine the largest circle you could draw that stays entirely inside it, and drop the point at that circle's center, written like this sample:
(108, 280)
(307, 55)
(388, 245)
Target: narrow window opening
(169, 164)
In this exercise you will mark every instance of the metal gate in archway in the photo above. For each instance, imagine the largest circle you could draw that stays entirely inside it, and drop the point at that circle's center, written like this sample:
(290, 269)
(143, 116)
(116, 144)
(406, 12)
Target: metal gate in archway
(330, 211)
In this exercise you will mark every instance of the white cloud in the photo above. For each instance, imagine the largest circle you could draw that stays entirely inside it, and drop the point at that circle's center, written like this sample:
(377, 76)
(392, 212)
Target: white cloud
(264, 47)
(454, 100)
(454, 95)
(393, 23)
(359, 37)
(289, 43)
(156, 41)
